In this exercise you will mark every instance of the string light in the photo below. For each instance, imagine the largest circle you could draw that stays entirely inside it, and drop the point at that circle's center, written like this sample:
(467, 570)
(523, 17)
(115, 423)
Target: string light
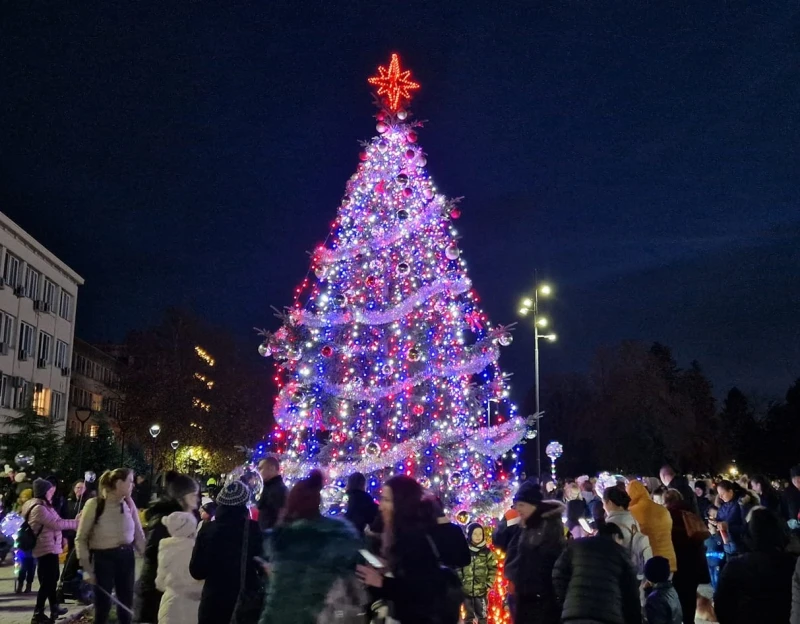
(394, 83)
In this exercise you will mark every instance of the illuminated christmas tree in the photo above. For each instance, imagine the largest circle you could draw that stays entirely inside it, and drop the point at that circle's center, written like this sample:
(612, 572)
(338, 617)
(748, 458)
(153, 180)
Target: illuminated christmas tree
(386, 363)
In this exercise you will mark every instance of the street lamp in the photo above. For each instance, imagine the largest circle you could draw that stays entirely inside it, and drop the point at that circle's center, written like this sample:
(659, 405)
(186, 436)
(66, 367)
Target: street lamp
(174, 444)
(82, 414)
(154, 431)
(530, 306)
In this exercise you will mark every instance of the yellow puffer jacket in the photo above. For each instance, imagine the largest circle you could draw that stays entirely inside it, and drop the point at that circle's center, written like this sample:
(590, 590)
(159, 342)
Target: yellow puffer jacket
(655, 522)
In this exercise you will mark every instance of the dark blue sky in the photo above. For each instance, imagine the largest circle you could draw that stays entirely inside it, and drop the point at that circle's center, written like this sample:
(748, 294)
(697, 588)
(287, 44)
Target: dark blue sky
(644, 157)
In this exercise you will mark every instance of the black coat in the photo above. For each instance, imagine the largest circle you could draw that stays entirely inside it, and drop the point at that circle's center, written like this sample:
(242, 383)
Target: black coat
(217, 560)
(663, 605)
(451, 544)
(147, 599)
(755, 587)
(361, 509)
(595, 581)
(790, 503)
(532, 554)
(273, 498)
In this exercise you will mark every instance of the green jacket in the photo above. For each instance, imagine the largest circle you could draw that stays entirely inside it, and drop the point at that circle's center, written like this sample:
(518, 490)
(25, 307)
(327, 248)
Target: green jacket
(478, 577)
(306, 557)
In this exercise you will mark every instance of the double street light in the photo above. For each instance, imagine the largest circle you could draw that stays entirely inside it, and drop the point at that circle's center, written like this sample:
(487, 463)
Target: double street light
(154, 431)
(529, 307)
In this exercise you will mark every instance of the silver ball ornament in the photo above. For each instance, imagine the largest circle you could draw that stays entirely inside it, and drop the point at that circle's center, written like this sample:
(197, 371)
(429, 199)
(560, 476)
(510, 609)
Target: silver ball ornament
(456, 479)
(401, 115)
(372, 450)
(452, 252)
(403, 268)
(264, 350)
(24, 459)
(505, 339)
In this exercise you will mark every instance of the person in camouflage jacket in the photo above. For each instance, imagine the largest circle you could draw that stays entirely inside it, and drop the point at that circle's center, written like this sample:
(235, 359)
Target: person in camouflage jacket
(479, 576)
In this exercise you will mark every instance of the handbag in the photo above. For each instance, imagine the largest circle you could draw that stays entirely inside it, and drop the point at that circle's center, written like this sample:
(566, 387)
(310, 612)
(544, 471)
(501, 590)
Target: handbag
(696, 529)
(250, 601)
(448, 609)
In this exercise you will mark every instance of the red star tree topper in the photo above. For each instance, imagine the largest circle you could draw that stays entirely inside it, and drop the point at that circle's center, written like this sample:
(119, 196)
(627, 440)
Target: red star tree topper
(394, 84)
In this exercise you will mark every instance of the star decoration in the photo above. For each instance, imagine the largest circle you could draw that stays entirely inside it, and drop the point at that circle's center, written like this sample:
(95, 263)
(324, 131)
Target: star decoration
(393, 84)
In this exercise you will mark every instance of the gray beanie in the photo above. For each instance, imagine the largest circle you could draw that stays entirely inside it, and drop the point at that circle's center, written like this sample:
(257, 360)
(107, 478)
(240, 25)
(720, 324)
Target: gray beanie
(235, 494)
(41, 487)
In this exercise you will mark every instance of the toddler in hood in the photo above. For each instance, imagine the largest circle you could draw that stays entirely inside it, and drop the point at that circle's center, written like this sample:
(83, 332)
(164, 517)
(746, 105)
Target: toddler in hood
(181, 599)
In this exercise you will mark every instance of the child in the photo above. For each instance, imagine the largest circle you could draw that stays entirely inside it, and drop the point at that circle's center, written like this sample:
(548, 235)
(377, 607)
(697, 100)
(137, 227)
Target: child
(662, 605)
(207, 513)
(478, 577)
(181, 599)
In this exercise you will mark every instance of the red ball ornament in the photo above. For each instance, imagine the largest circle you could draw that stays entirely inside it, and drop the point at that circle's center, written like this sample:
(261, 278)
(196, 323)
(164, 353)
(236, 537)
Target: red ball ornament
(326, 351)
(363, 156)
(410, 154)
(411, 137)
(380, 116)
(418, 410)
(455, 213)
(407, 192)
(371, 279)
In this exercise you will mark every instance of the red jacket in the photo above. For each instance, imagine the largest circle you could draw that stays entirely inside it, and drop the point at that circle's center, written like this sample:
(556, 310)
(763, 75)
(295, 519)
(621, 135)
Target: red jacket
(46, 519)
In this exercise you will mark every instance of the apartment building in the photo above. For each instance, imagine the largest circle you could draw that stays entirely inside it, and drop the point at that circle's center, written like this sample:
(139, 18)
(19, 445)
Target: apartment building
(38, 298)
(95, 385)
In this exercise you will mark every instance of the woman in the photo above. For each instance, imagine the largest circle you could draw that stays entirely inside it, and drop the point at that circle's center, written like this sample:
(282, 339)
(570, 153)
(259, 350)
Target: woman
(47, 525)
(757, 586)
(108, 534)
(655, 522)
(690, 553)
(730, 516)
(616, 502)
(182, 494)
(767, 495)
(217, 560)
(308, 554)
(532, 555)
(703, 501)
(415, 586)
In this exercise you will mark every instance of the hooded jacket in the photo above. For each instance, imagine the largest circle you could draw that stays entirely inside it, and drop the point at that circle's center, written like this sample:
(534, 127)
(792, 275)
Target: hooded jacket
(181, 599)
(654, 521)
(479, 576)
(307, 557)
(636, 543)
(47, 524)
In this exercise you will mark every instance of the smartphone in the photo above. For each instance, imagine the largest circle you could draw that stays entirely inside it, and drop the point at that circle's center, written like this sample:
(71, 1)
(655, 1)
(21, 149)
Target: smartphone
(585, 525)
(371, 559)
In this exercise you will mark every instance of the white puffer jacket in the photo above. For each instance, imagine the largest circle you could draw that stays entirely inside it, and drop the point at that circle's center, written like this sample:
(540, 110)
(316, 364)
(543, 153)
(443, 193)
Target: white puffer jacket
(181, 599)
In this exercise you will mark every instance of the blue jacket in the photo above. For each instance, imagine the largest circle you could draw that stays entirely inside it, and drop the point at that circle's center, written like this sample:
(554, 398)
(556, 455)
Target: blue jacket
(731, 512)
(663, 605)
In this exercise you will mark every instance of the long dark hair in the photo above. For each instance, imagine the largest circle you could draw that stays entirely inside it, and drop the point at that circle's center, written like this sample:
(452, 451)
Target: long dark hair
(304, 500)
(409, 515)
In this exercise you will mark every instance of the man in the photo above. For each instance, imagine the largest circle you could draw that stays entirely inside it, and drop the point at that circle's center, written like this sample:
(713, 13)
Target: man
(790, 502)
(594, 580)
(361, 507)
(680, 483)
(273, 496)
(141, 492)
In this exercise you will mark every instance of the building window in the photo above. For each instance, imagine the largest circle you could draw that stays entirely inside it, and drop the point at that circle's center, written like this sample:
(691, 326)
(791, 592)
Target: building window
(25, 341)
(97, 402)
(94, 429)
(11, 271)
(7, 331)
(61, 354)
(82, 366)
(5, 391)
(45, 344)
(57, 406)
(41, 400)
(32, 277)
(22, 396)
(65, 306)
(49, 294)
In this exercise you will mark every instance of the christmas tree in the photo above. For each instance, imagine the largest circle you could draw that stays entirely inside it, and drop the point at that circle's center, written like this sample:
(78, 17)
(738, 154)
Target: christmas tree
(386, 362)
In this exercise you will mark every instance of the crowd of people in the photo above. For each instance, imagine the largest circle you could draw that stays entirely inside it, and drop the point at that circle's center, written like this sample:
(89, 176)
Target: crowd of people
(610, 551)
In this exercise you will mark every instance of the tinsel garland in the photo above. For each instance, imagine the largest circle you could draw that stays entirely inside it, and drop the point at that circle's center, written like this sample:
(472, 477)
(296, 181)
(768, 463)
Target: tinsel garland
(382, 317)
(489, 441)
(351, 249)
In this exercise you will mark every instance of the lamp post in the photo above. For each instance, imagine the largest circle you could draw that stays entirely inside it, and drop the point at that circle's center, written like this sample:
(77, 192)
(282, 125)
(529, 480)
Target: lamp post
(82, 414)
(530, 306)
(154, 431)
(174, 444)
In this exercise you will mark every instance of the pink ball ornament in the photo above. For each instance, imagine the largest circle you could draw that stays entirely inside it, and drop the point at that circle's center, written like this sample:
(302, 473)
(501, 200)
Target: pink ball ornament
(402, 115)
(363, 156)
(410, 154)
(411, 137)
(418, 410)
(381, 116)
(381, 127)
(422, 161)
(407, 192)
(452, 252)
(427, 193)
(455, 213)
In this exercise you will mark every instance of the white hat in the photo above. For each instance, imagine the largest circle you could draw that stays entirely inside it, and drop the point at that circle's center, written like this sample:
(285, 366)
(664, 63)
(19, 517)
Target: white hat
(180, 524)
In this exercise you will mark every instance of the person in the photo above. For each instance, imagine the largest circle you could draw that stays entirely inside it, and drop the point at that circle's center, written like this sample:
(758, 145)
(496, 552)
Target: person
(678, 482)
(448, 538)
(108, 534)
(47, 525)
(767, 496)
(730, 516)
(790, 501)
(411, 579)
(182, 494)
(207, 513)
(654, 521)
(308, 555)
(532, 554)
(478, 577)
(690, 553)
(273, 494)
(757, 586)
(703, 501)
(662, 605)
(142, 492)
(576, 510)
(181, 600)
(218, 554)
(361, 507)
(72, 507)
(594, 504)
(616, 502)
(594, 576)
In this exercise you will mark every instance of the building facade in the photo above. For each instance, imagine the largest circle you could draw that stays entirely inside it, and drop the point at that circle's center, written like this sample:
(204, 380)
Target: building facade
(38, 299)
(95, 386)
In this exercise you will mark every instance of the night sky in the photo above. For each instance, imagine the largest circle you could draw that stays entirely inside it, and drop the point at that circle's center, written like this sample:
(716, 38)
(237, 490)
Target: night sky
(642, 157)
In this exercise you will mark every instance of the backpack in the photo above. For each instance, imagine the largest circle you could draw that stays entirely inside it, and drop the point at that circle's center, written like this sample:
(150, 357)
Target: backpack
(101, 507)
(638, 548)
(345, 603)
(448, 608)
(26, 538)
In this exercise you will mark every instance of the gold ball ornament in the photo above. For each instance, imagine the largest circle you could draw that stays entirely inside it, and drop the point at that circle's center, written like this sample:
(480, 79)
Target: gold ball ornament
(372, 450)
